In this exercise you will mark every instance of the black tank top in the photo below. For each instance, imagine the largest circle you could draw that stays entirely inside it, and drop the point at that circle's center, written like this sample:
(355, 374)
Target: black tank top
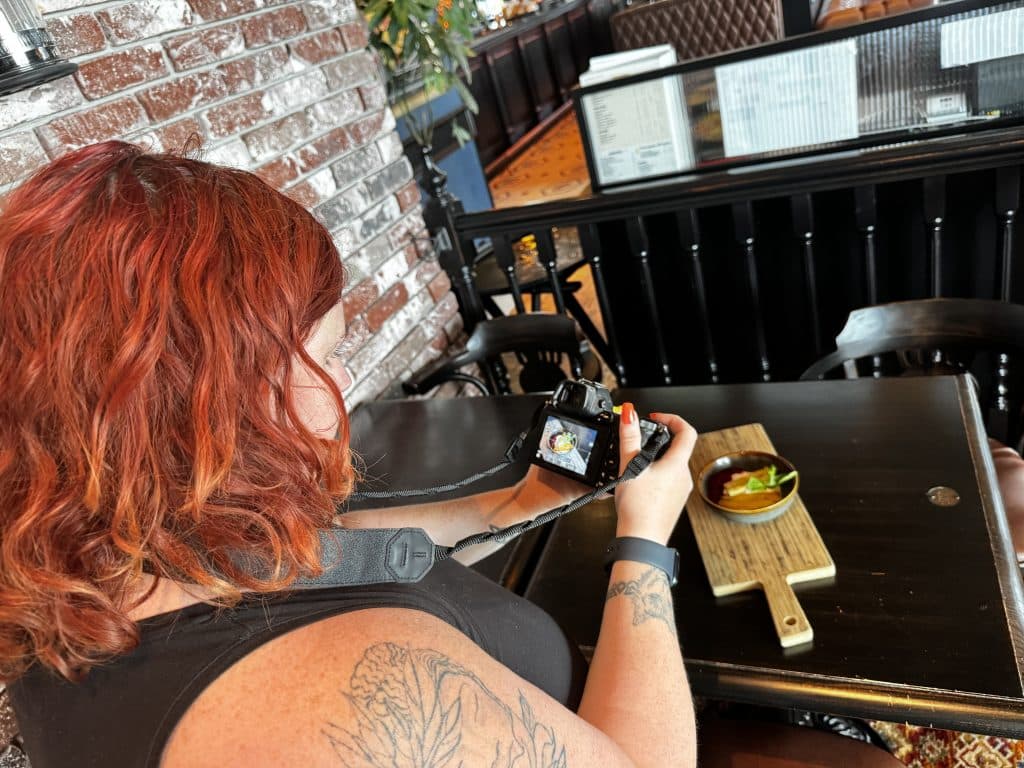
(124, 711)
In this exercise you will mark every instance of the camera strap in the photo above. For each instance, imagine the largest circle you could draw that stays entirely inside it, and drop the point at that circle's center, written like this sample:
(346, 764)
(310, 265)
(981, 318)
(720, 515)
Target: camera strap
(362, 556)
(511, 454)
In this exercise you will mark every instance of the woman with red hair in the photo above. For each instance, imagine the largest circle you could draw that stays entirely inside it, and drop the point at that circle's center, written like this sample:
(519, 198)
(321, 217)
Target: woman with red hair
(170, 400)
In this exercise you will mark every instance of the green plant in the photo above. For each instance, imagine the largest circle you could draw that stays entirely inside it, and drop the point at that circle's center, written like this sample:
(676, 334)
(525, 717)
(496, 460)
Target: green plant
(424, 50)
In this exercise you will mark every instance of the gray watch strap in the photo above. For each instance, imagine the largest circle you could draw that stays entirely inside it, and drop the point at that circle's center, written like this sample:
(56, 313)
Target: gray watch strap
(644, 551)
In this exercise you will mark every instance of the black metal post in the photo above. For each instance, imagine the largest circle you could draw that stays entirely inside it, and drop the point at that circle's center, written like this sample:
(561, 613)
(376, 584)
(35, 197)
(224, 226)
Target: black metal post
(548, 256)
(802, 207)
(1007, 205)
(640, 246)
(689, 232)
(934, 193)
(743, 222)
(866, 207)
(507, 261)
(591, 245)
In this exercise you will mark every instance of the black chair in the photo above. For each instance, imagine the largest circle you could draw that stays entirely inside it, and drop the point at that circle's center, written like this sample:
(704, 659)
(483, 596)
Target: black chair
(540, 342)
(938, 336)
(492, 282)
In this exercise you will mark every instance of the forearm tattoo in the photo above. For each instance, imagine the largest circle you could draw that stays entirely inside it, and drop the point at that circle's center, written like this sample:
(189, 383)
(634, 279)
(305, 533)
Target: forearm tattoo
(416, 708)
(651, 597)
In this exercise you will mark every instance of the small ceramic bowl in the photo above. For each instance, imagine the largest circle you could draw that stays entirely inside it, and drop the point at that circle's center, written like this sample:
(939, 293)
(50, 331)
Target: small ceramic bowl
(748, 461)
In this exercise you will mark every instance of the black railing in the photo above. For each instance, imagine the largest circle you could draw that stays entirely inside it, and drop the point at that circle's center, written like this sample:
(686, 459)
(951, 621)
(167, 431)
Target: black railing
(748, 274)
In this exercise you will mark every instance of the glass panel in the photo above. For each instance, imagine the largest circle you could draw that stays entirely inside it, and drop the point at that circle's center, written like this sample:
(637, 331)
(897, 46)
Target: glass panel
(21, 14)
(959, 69)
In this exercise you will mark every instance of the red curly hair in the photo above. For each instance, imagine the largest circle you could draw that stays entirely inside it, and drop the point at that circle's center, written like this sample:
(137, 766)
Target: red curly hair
(153, 308)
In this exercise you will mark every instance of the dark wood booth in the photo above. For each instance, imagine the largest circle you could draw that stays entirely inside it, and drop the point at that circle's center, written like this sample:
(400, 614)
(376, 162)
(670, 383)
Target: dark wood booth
(523, 73)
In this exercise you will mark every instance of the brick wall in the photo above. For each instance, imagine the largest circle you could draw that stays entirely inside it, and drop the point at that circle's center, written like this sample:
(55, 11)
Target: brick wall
(285, 89)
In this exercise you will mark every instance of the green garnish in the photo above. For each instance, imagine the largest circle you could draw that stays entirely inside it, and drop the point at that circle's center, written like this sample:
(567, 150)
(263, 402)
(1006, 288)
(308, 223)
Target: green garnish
(754, 485)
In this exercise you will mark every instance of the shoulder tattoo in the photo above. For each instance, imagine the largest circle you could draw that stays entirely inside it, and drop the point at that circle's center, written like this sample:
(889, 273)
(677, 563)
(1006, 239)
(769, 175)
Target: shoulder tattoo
(416, 708)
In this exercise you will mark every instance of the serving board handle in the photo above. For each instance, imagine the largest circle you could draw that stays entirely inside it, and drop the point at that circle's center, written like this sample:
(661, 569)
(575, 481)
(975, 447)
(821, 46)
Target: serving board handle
(791, 622)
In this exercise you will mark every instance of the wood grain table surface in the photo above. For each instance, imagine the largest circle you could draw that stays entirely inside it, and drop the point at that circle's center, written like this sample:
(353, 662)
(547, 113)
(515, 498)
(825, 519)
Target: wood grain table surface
(922, 622)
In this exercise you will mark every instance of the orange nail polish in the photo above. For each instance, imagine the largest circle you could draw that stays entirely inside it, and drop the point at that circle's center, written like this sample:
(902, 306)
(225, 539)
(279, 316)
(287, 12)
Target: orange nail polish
(628, 413)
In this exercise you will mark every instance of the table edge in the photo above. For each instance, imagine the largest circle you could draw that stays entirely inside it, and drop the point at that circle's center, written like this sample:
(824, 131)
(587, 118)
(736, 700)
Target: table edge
(866, 699)
(1007, 570)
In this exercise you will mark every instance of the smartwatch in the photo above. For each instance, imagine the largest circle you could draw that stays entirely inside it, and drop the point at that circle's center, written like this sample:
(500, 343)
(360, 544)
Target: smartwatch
(644, 551)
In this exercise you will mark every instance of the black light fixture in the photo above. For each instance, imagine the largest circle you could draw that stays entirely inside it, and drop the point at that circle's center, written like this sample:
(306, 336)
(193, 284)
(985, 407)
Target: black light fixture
(28, 54)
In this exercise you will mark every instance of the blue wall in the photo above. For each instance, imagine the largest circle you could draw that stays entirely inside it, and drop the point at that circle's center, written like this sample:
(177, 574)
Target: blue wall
(466, 178)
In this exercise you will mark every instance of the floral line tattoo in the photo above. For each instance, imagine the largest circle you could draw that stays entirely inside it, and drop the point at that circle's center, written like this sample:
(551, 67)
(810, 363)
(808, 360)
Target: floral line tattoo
(416, 708)
(651, 597)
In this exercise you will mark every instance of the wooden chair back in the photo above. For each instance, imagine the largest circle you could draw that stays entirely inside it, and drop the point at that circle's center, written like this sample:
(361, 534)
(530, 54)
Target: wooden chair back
(937, 336)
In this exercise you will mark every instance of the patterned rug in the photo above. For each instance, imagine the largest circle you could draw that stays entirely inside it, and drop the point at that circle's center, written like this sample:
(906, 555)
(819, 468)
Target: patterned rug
(554, 168)
(920, 747)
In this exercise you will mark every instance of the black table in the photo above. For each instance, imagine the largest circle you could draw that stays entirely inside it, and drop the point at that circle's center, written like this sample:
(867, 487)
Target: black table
(405, 444)
(922, 621)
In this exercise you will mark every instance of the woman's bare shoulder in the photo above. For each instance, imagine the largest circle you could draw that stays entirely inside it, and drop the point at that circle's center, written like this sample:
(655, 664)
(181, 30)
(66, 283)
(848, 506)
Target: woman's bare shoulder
(379, 687)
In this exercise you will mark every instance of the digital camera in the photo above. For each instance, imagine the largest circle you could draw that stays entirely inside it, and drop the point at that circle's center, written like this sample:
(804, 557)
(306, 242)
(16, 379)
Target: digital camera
(580, 433)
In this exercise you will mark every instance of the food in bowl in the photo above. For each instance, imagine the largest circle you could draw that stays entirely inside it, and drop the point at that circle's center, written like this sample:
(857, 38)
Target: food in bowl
(749, 486)
(744, 491)
(562, 442)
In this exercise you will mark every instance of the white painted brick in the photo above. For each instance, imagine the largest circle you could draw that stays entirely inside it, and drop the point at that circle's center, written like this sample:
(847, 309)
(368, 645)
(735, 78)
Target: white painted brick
(434, 322)
(426, 356)
(144, 18)
(413, 282)
(357, 165)
(43, 100)
(366, 390)
(408, 317)
(50, 6)
(363, 362)
(323, 182)
(232, 153)
(390, 147)
(392, 366)
(453, 327)
(346, 243)
(149, 142)
(394, 331)
(337, 110)
(20, 154)
(379, 218)
(391, 271)
(299, 91)
(328, 12)
(368, 259)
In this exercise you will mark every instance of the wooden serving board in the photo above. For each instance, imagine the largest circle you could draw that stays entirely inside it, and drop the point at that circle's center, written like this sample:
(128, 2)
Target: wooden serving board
(770, 556)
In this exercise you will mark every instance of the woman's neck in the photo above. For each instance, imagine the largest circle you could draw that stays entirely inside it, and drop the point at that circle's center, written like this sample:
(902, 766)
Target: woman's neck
(166, 596)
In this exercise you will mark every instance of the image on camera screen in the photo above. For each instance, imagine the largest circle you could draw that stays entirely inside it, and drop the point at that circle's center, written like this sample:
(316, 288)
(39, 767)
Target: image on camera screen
(567, 444)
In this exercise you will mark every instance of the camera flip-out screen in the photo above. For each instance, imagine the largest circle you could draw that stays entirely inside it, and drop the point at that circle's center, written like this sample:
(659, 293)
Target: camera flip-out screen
(567, 444)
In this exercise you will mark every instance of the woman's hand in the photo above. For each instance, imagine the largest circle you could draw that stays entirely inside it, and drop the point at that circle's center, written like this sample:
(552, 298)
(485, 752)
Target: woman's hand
(649, 505)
